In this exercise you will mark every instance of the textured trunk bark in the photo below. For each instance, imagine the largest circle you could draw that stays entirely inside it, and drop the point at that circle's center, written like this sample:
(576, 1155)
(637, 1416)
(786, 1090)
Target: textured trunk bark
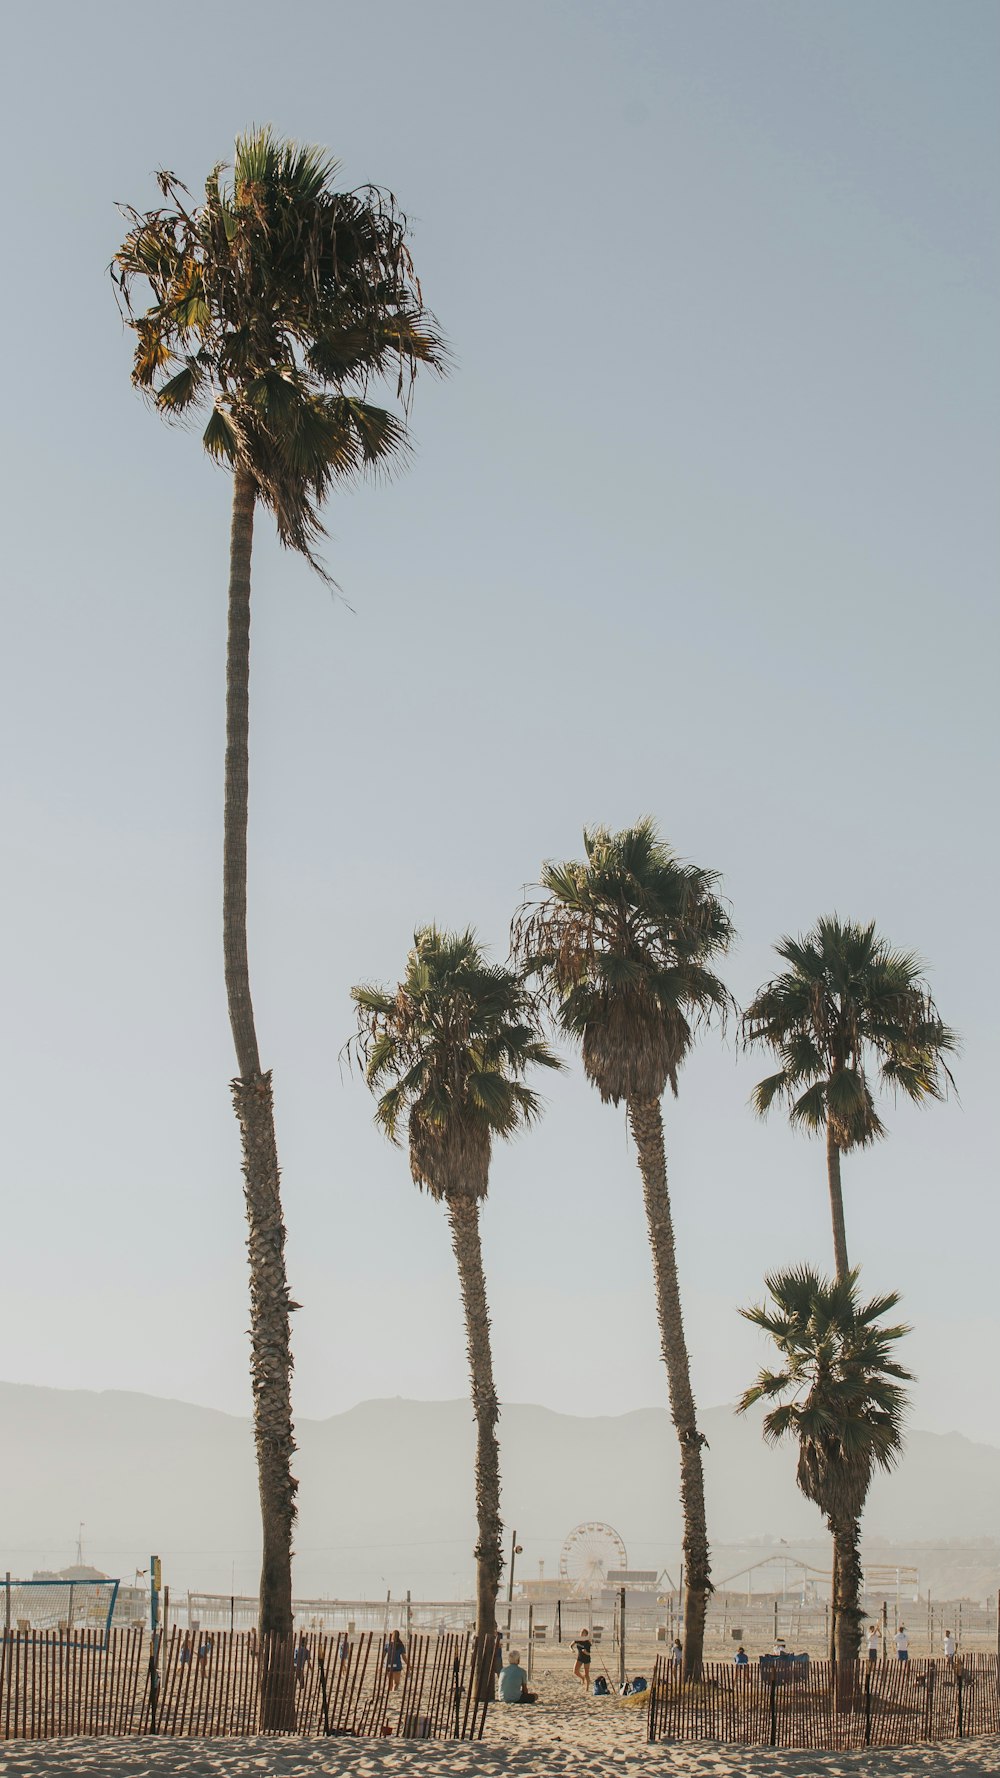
(271, 1358)
(647, 1128)
(463, 1219)
(836, 1202)
(847, 1573)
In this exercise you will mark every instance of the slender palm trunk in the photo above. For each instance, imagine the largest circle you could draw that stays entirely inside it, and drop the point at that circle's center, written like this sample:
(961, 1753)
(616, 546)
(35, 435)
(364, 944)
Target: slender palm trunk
(463, 1220)
(836, 1202)
(840, 1260)
(271, 1358)
(847, 1605)
(647, 1128)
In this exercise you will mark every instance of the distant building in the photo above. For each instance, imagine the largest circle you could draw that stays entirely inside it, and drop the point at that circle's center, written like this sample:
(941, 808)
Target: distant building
(78, 1571)
(636, 1580)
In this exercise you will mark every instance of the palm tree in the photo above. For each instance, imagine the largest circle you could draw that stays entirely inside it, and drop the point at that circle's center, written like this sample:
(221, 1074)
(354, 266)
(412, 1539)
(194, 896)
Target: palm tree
(622, 942)
(848, 1005)
(273, 305)
(839, 1395)
(447, 1053)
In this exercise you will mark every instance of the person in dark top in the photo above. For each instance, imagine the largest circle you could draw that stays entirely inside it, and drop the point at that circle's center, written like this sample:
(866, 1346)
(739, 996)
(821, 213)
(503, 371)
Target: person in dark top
(395, 1659)
(582, 1669)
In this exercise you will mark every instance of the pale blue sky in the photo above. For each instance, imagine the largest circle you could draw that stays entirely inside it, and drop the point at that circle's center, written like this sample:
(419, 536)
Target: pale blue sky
(703, 525)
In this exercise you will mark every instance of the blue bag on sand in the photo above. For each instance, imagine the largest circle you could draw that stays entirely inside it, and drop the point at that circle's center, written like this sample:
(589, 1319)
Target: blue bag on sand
(600, 1686)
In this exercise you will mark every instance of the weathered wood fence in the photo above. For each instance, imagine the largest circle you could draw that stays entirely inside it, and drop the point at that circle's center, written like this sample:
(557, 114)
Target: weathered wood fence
(210, 1683)
(816, 1704)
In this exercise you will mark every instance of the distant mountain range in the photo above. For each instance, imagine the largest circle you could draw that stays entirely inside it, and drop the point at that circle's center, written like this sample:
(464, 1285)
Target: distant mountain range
(386, 1492)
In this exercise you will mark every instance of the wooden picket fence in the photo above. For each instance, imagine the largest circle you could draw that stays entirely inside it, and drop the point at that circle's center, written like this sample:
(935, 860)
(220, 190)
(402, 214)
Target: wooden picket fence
(816, 1704)
(210, 1684)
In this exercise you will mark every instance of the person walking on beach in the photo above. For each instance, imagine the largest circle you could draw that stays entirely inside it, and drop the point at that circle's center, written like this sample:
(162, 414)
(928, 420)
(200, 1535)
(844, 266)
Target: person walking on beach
(902, 1644)
(582, 1669)
(949, 1647)
(395, 1659)
(874, 1643)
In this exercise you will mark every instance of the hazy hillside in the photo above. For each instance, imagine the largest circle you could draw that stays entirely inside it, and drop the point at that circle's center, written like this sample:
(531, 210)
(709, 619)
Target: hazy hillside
(385, 1489)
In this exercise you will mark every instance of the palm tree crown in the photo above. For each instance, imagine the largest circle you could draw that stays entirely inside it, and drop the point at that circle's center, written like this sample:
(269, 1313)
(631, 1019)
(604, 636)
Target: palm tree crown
(847, 1003)
(839, 1389)
(448, 1052)
(275, 303)
(622, 941)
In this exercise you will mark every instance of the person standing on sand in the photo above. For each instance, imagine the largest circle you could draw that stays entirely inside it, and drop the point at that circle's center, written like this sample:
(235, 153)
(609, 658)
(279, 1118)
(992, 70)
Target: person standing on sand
(874, 1643)
(902, 1644)
(677, 1653)
(741, 1658)
(582, 1669)
(949, 1647)
(395, 1659)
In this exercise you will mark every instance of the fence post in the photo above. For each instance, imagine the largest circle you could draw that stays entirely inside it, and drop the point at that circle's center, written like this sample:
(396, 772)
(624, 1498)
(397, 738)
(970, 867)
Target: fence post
(457, 1688)
(6, 1608)
(959, 1724)
(651, 1723)
(774, 1708)
(929, 1727)
(323, 1696)
(559, 1621)
(868, 1703)
(621, 1636)
(531, 1637)
(409, 1618)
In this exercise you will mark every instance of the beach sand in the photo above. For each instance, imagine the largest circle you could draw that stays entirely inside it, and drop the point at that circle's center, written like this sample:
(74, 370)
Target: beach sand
(566, 1732)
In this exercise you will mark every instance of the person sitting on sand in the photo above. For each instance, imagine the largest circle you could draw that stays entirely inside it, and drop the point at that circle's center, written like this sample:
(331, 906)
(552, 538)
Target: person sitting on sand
(582, 1668)
(514, 1682)
(395, 1659)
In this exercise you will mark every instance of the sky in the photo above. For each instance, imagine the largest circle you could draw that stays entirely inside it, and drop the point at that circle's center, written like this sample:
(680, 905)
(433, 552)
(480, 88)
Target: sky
(702, 525)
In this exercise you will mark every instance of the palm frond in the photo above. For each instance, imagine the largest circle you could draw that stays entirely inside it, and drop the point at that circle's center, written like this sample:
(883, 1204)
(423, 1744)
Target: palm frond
(297, 297)
(456, 1039)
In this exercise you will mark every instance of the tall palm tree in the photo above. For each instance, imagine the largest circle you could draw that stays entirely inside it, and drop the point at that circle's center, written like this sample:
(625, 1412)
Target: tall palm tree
(272, 304)
(623, 942)
(848, 1006)
(839, 1394)
(447, 1054)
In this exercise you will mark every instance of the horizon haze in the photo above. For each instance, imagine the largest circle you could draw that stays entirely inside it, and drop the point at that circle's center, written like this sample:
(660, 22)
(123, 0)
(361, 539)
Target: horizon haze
(701, 525)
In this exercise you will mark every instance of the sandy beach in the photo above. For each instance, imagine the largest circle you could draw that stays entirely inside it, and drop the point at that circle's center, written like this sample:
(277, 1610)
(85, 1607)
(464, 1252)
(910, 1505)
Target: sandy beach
(565, 1730)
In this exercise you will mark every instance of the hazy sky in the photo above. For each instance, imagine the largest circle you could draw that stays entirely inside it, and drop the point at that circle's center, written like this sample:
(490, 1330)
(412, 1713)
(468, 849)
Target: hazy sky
(702, 525)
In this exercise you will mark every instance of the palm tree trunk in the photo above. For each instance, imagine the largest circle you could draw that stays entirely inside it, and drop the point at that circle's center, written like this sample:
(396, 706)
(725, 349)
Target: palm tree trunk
(646, 1122)
(836, 1201)
(463, 1220)
(271, 1357)
(847, 1605)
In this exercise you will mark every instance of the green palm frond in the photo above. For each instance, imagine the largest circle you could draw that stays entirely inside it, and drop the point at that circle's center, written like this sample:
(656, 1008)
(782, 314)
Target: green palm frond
(297, 297)
(809, 1109)
(622, 944)
(455, 1042)
(848, 1005)
(839, 1390)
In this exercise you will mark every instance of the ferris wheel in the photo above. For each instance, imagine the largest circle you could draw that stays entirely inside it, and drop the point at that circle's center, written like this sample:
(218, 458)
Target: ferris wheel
(588, 1554)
